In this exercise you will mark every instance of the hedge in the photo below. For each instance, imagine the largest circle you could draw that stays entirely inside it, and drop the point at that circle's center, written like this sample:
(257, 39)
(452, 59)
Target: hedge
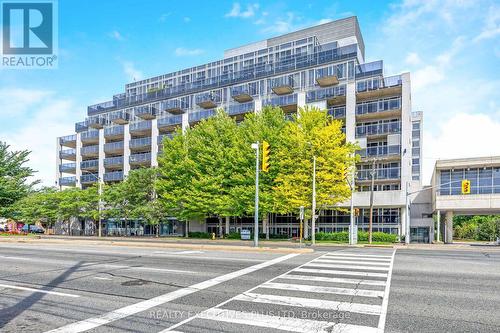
(362, 236)
(199, 234)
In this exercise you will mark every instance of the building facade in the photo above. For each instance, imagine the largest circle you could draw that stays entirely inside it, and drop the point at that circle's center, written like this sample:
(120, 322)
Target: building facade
(321, 66)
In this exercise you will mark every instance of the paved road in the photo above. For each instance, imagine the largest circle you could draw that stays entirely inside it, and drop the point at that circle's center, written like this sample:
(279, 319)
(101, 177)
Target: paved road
(66, 288)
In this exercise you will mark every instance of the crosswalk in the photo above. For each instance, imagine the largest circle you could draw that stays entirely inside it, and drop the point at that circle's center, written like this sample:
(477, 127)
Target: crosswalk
(343, 291)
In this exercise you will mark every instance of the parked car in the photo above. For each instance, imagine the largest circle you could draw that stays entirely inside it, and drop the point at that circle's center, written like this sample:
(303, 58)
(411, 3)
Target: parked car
(34, 229)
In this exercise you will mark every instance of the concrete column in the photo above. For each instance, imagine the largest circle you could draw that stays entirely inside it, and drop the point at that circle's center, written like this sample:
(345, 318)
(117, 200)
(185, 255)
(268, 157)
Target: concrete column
(78, 172)
(350, 112)
(126, 149)
(227, 224)
(154, 142)
(185, 121)
(448, 227)
(404, 221)
(438, 229)
(406, 129)
(101, 155)
(258, 105)
(301, 99)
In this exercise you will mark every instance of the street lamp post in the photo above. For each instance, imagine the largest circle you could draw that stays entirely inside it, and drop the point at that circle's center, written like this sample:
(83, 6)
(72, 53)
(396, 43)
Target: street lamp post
(256, 217)
(313, 218)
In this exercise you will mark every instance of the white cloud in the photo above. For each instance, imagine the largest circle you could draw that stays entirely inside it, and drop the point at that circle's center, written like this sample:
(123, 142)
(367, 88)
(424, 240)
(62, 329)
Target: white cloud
(324, 20)
(181, 51)
(236, 11)
(492, 25)
(16, 101)
(116, 35)
(132, 73)
(413, 59)
(282, 25)
(46, 117)
(164, 16)
(462, 135)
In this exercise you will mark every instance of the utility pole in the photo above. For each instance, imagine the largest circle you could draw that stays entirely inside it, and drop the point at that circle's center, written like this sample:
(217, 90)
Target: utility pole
(313, 218)
(100, 208)
(256, 217)
(370, 225)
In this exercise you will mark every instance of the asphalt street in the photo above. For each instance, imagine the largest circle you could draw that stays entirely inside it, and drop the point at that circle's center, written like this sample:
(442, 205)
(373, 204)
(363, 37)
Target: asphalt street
(95, 288)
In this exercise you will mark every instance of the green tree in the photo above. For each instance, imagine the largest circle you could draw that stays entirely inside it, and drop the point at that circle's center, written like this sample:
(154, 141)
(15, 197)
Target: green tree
(15, 176)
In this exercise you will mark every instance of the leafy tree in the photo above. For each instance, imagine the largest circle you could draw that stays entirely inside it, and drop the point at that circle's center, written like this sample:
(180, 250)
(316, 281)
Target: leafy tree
(14, 176)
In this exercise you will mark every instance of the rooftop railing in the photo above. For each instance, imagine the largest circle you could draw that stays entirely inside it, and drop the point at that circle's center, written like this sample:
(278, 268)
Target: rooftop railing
(257, 71)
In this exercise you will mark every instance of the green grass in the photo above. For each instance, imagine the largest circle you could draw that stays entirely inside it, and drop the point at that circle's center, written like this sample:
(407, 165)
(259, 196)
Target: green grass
(3, 234)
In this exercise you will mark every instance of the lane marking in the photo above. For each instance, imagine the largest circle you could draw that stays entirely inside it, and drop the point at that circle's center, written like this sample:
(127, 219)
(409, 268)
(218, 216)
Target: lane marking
(369, 309)
(289, 324)
(347, 254)
(189, 252)
(368, 268)
(141, 268)
(370, 263)
(335, 272)
(15, 258)
(106, 318)
(323, 290)
(388, 260)
(385, 301)
(38, 290)
(334, 280)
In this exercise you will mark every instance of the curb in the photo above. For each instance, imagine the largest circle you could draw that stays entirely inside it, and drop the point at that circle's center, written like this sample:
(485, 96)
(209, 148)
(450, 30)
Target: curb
(163, 245)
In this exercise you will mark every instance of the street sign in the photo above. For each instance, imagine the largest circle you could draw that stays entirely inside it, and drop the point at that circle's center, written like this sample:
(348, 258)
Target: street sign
(245, 234)
(465, 186)
(301, 213)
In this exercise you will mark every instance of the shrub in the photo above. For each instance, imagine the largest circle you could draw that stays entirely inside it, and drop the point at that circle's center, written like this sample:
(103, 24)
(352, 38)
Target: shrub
(362, 236)
(199, 234)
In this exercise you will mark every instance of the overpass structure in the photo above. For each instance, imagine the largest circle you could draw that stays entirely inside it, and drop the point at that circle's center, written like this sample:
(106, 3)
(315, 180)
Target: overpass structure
(446, 193)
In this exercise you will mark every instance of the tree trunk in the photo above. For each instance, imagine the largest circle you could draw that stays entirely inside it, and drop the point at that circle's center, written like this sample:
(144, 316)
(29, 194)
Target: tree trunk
(187, 228)
(221, 233)
(306, 228)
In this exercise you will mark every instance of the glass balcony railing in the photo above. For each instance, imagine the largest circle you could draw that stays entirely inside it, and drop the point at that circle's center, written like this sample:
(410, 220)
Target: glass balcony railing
(140, 143)
(89, 165)
(88, 178)
(243, 93)
(369, 69)
(119, 117)
(208, 100)
(114, 176)
(146, 112)
(378, 129)
(81, 126)
(67, 154)
(90, 136)
(114, 131)
(96, 122)
(143, 158)
(90, 150)
(169, 121)
(196, 116)
(163, 136)
(67, 140)
(67, 181)
(388, 150)
(113, 147)
(140, 126)
(330, 75)
(380, 174)
(338, 112)
(325, 93)
(255, 72)
(378, 83)
(236, 109)
(113, 161)
(174, 106)
(378, 106)
(67, 167)
(281, 100)
(282, 85)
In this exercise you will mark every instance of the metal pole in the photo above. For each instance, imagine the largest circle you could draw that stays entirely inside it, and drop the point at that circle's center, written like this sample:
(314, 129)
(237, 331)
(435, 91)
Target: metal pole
(370, 224)
(313, 219)
(438, 225)
(100, 207)
(351, 230)
(407, 233)
(256, 218)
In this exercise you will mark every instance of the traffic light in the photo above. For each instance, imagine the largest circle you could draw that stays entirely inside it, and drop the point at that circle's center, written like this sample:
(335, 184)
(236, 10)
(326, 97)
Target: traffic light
(266, 153)
(356, 212)
(465, 186)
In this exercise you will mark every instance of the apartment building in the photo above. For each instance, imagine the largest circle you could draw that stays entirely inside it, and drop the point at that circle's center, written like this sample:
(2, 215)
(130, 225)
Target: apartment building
(321, 66)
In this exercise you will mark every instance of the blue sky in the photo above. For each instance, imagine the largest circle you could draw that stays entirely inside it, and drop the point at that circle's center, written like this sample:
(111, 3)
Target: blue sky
(451, 48)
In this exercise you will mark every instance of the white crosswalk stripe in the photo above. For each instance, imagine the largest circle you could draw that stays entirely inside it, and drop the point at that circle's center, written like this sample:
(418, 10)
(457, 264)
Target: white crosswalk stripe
(354, 282)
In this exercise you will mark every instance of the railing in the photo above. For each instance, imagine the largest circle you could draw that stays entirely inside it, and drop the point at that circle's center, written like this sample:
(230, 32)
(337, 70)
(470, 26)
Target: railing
(67, 139)
(244, 90)
(89, 164)
(113, 176)
(90, 150)
(114, 130)
(162, 136)
(96, 121)
(81, 126)
(88, 178)
(67, 153)
(90, 134)
(283, 81)
(140, 142)
(235, 109)
(120, 116)
(337, 112)
(281, 100)
(208, 97)
(388, 150)
(140, 158)
(369, 69)
(381, 174)
(140, 126)
(376, 129)
(67, 167)
(378, 106)
(169, 121)
(113, 161)
(147, 110)
(67, 181)
(257, 71)
(325, 93)
(334, 70)
(113, 146)
(173, 104)
(378, 83)
(200, 115)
